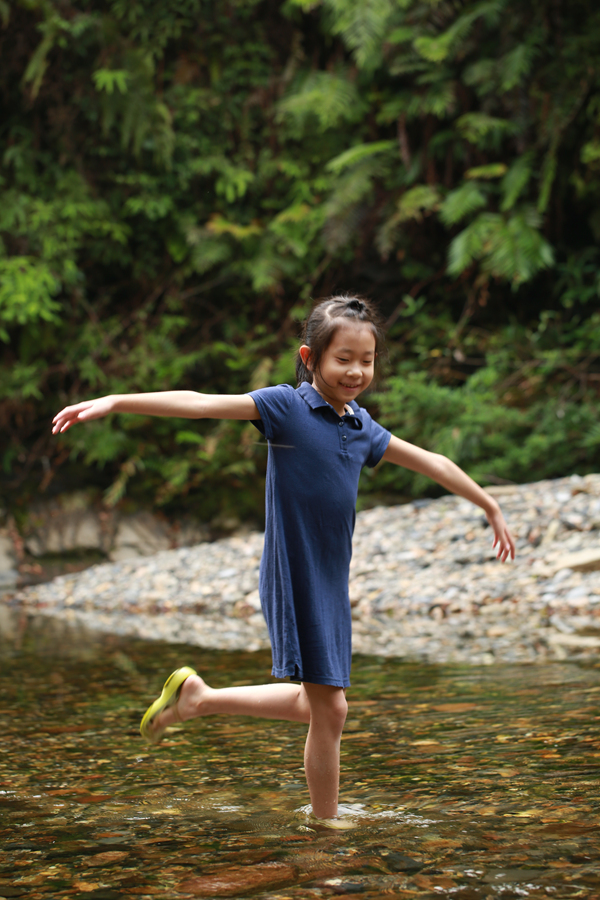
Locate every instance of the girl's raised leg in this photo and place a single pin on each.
(268, 701)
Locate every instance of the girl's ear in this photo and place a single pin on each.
(305, 356)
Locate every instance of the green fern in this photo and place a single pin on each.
(462, 202)
(478, 128)
(436, 49)
(590, 153)
(510, 248)
(356, 154)
(488, 172)
(516, 65)
(438, 100)
(329, 98)
(482, 75)
(516, 180)
(363, 26)
(342, 210)
(207, 251)
(417, 202)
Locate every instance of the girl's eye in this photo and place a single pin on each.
(342, 360)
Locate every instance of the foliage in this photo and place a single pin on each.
(179, 179)
(527, 412)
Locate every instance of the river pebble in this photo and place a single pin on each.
(424, 583)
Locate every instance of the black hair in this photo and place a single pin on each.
(323, 322)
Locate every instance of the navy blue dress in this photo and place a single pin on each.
(315, 458)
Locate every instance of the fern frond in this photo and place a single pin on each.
(481, 75)
(331, 99)
(512, 249)
(418, 201)
(350, 189)
(344, 209)
(459, 204)
(476, 127)
(363, 26)
(492, 170)
(436, 49)
(518, 251)
(208, 251)
(415, 203)
(469, 246)
(357, 154)
(439, 100)
(111, 80)
(401, 35)
(516, 65)
(516, 180)
(590, 152)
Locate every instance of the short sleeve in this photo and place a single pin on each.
(273, 404)
(380, 438)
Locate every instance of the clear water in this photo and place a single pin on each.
(461, 782)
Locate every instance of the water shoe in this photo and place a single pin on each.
(169, 697)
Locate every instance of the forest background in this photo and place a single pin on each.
(179, 179)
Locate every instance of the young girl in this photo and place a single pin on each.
(319, 439)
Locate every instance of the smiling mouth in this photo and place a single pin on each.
(350, 387)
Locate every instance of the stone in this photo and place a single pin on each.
(581, 561)
(108, 858)
(67, 524)
(9, 574)
(574, 640)
(8, 555)
(240, 880)
(138, 535)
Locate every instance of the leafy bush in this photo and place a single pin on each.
(179, 179)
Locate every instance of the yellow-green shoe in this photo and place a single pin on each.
(169, 697)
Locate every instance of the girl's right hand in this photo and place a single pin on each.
(81, 412)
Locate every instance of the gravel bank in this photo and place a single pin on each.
(424, 583)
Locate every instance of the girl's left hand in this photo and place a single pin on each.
(503, 539)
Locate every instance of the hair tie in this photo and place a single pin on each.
(356, 305)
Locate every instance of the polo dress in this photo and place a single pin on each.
(314, 462)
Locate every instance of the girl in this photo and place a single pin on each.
(319, 439)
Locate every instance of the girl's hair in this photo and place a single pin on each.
(323, 322)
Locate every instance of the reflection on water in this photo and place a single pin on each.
(460, 781)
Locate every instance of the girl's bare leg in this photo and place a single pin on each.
(268, 701)
(328, 709)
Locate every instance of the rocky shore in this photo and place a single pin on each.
(424, 583)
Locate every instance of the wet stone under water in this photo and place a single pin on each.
(462, 782)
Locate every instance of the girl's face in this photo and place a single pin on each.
(347, 365)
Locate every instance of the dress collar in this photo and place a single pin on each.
(315, 401)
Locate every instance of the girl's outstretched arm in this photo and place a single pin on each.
(450, 476)
(184, 404)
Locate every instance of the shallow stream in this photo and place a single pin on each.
(460, 782)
